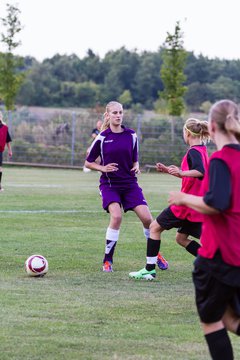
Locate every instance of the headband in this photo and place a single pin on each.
(191, 132)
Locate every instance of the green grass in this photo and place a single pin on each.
(76, 311)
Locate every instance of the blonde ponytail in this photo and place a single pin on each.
(197, 128)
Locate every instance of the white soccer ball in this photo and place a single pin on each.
(36, 265)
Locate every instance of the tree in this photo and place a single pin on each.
(10, 77)
(125, 98)
(172, 72)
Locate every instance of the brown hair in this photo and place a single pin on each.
(198, 128)
(106, 122)
(226, 115)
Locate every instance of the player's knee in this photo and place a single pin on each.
(155, 227)
(116, 219)
(146, 223)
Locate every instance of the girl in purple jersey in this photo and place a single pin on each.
(216, 274)
(117, 147)
(187, 221)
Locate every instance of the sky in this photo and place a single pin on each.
(65, 27)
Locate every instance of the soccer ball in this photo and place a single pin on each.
(36, 265)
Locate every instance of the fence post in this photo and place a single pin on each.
(73, 136)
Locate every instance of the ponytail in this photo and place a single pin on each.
(197, 128)
(226, 115)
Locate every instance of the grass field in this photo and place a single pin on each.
(76, 311)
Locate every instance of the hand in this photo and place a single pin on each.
(162, 168)
(110, 167)
(136, 169)
(174, 170)
(176, 198)
(10, 154)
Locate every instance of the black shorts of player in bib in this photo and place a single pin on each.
(167, 220)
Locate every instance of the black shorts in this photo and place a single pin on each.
(213, 296)
(1, 158)
(167, 220)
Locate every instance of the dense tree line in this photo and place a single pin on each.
(68, 81)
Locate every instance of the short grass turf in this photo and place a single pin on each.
(76, 311)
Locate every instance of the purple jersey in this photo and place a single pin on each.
(120, 148)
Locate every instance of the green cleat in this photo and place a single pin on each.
(143, 274)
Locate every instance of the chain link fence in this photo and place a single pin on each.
(60, 137)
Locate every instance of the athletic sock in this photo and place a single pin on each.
(153, 247)
(219, 345)
(146, 232)
(112, 236)
(193, 247)
(109, 250)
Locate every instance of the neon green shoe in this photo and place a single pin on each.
(143, 274)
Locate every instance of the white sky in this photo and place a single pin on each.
(210, 27)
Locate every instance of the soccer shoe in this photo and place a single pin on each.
(143, 274)
(161, 262)
(107, 266)
(1, 189)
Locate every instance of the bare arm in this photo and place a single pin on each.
(9, 149)
(192, 201)
(103, 168)
(175, 171)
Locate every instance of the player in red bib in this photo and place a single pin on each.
(4, 139)
(188, 221)
(216, 274)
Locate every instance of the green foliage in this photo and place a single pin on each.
(10, 78)
(125, 98)
(205, 106)
(172, 72)
(56, 81)
(160, 106)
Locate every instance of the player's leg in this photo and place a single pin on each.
(145, 216)
(111, 201)
(187, 229)
(218, 341)
(153, 246)
(112, 235)
(165, 221)
(231, 321)
(191, 246)
(212, 298)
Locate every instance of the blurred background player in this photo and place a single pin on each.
(94, 134)
(216, 274)
(97, 129)
(5, 138)
(188, 221)
(117, 147)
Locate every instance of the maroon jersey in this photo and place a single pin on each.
(222, 231)
(3, 137)
(191, 185)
